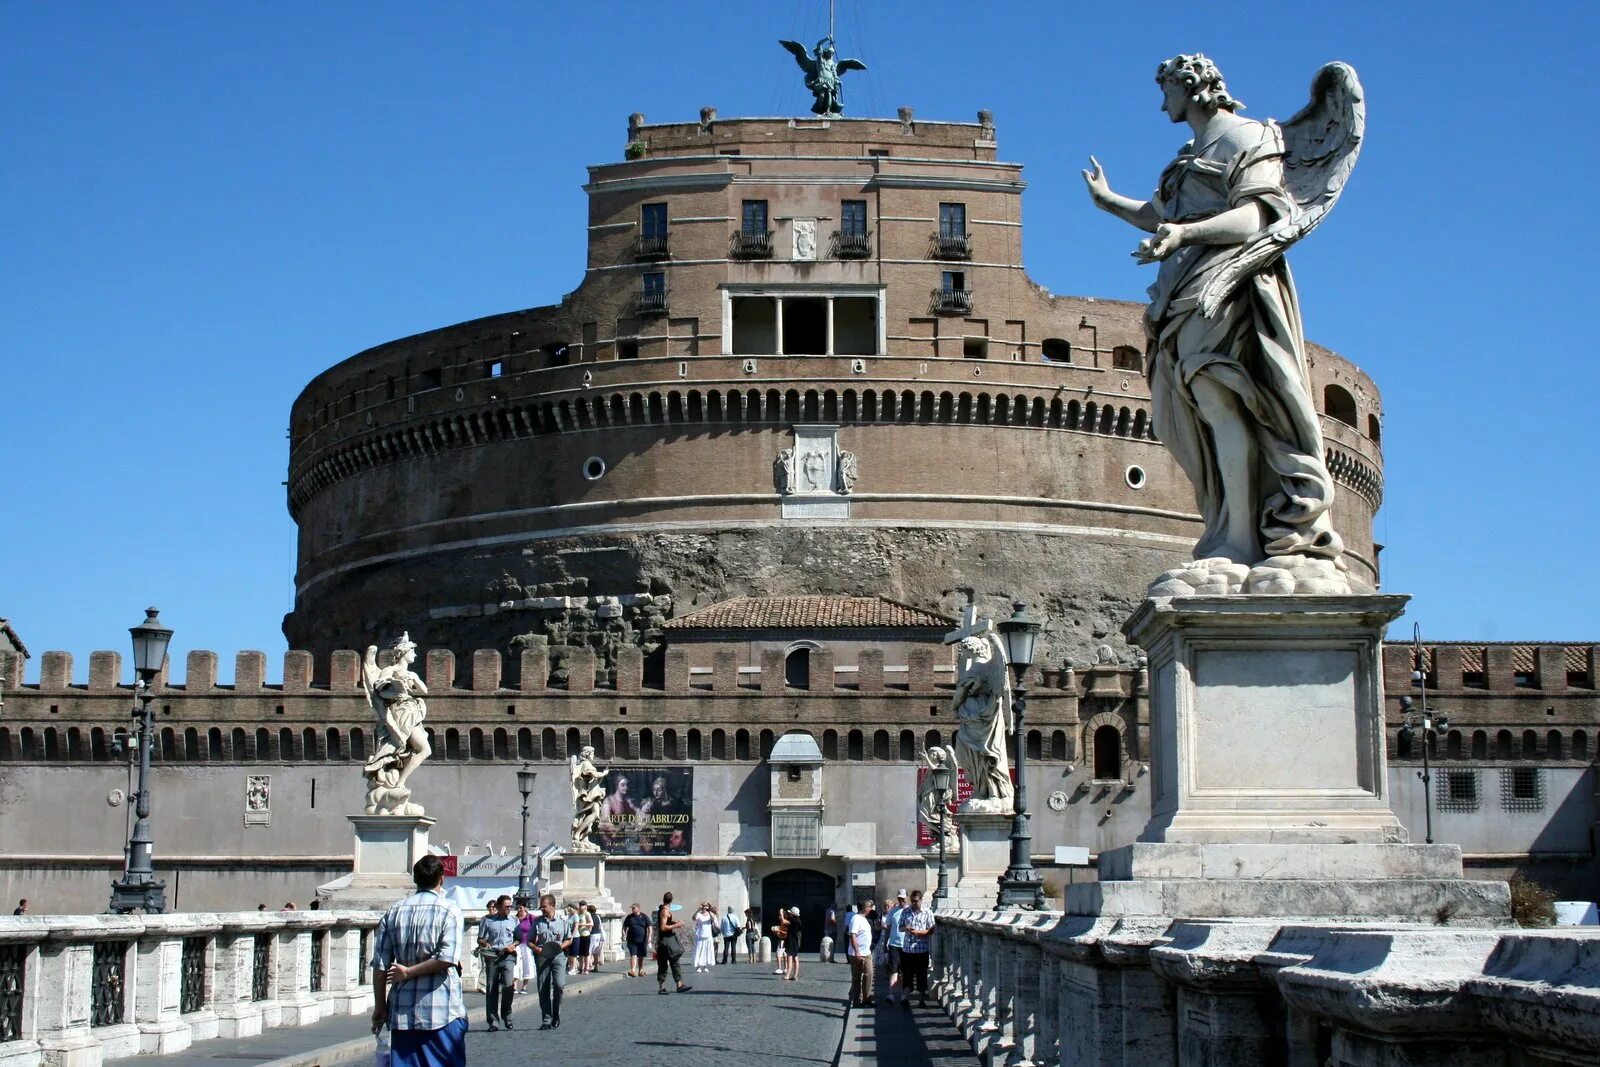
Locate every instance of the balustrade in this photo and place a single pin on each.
(86, 988)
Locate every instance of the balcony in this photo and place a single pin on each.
(751, 244)
(952, 246)
(852, 245)
(651, 302)
(951, 302)
(648, 246)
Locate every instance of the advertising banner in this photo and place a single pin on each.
(928, 836)
(648, 811)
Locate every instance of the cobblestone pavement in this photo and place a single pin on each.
(736, 1015)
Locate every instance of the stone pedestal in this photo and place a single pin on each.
(584, 878)
(1268, 773)
(386, 848)
(985, 855)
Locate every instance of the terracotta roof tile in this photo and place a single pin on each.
(809, 613)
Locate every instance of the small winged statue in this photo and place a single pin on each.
(824, 69)
(1227, 359)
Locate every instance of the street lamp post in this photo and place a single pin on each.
(138, 888)
(1421, 725)
(525, 778)
(941, 795)
(1020, 886)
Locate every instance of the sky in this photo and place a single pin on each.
(203, 205)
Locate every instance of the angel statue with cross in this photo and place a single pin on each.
(1231, 395)
(982, 707)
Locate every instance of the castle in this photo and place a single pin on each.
(714, 512)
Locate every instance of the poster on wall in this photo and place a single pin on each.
(648, 811)
(928, 836)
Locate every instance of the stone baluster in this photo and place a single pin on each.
(291, 974)
(1025, 990)
(1002, 1039)
(347, 990)
(58, 991)
(1046, 1048)
(987, 1010)
(232, 967)
(157, 981)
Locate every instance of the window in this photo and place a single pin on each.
(952, 220)
(627, 348)
(853, 218)
(878, 153)
(1107, 753)
(1337, 403)
(432, 378)
(653, 220)
(1055, 350)
(494, 369)
(975, 348)
(1522, 789)
(953, 281)
(655, 283)
(1458, 791)
(753, 220)
(797, 669)
(1126, 357)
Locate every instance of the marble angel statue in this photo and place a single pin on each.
(1231, 396)
(588, 800)
(931, 807)
(982, 706)
(395, 693)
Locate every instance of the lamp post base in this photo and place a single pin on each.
(132, 895)
(1021, 889)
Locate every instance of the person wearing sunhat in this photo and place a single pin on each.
(792, 945)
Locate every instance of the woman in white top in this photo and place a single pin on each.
(705, 939)
(597, 939)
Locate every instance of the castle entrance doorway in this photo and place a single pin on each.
(810, 891)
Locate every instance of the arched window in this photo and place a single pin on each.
(1126, 357)
(1452, 745)
(1480, 745)
(309, 749)
(452, 743)
(191, 743)
(1374, 429)
(475, 744)
(574, 741)
(597, 741)
(286, 744)
(336, 745)
(1058, 744)
(797, 668)
(524, 744)
(1580, 744)
(1056, 350)
(669, 744)
(619, 743)
(830, 744)
(719, 744)
(549, 744)
(1530, 745)
(1035, 745)
(695, 752)
(880, 744)
(1552, 745)
(240, 747)
(768, 739)
(1503, 746)
(6, 752)
(358, 744)
(214, 744)
(97, 745)
(1337, 403)
(908, 745)
(741, 744)
(263, 744)
(647, 743)
(931, 740)
(855, 746)
(502, 743)
(1107, 753)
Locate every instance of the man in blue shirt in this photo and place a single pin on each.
(730, 935)
(552, 936)
(894, 939)
(497, 943)
(916, 926)
(416, 975)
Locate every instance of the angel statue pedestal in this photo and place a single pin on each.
(985, 854)
(386, 848)
(1269, 776)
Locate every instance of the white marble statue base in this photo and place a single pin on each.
(984, 856)
(1266, 718)
(584, 878)
(386, 848)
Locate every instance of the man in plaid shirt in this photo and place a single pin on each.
(417, 952)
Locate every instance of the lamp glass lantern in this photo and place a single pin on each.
(941, 780)
(525, 778)
(150, 640)
(1020, 632)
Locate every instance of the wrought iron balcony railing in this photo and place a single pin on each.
(852, 245)
(952, 302)
(751, 244)
(952, 246)
(652, 246)
(652, 302)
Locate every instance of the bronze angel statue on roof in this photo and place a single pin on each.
(1231, 395)
(824, 71)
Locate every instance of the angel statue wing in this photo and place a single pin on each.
(801, 56)
(851, 64)
(1321, 144)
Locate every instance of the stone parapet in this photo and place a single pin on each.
(1150, 991)
(98, 987)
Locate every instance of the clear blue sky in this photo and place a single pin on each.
(205, 204)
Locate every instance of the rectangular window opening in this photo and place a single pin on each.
(853, 218)
(975, 348)
(628, 348)
(494, 369)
